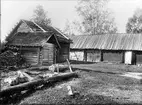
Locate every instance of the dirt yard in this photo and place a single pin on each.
(97, 84)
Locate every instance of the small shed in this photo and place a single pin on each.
(119, 48)
(40, 45)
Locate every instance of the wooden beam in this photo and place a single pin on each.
(102, 58)
(123, 57)
(69, 65)
(57, 41)
(33, 84)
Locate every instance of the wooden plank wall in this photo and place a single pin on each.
(93, 56)
(77, 55)
(47, 55)
(63, 52)
(113, 57)
(31, 55)
(139, 58)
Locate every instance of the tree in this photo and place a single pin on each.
(96, 18)
(40, 16)
(72, 28)
(134, 24)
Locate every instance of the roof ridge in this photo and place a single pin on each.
(110, 34)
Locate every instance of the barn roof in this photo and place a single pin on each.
(108, 42)
(30, 39)
(36, 36)
(32, 25)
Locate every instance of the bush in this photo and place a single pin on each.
(11, 59)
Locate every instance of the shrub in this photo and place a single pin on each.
(10, 58)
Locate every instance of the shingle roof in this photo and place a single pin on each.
(58, 33)
(29, 39)
(108, 42)
(40, 27)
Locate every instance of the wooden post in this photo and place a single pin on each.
(39, 56)
(69, 65)
(102, 56)
(123, 57)
(58, 68)
(69, 51)
(55, 54)
(85, 55)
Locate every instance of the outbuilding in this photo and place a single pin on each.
(118, 48)
(39, 44)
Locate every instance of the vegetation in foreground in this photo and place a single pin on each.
(99, 84)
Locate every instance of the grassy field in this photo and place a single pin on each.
(100, 83)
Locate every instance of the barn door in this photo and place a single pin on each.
(48, 54)
(112, 56)
(128, 57)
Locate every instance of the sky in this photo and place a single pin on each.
(59, 11)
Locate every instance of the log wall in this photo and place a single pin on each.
(31, 55)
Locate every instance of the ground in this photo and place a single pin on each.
(99, 83)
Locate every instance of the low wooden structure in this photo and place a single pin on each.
(119, 48)
(41, 45)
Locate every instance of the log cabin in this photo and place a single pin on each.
(117, 48)
(39, 44)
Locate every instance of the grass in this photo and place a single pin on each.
(97, 84)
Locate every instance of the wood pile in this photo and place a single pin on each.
(33, 83)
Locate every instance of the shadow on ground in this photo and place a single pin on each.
(97, 71)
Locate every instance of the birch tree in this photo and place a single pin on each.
(134, 24)
(96, 18)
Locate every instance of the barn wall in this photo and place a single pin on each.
(139, 58)
(47, 55)
(93, 56)
(77, 55)
(31, 55)
(112, 56)
(63, 52)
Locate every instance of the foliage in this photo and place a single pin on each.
(40, 16)
(10, 58)
(2, 46)
(96, 18)
(71, 28)
(134, 24)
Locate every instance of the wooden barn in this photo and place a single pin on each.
(118, 48)
(41, 45)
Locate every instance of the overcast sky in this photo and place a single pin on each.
(60, 10)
